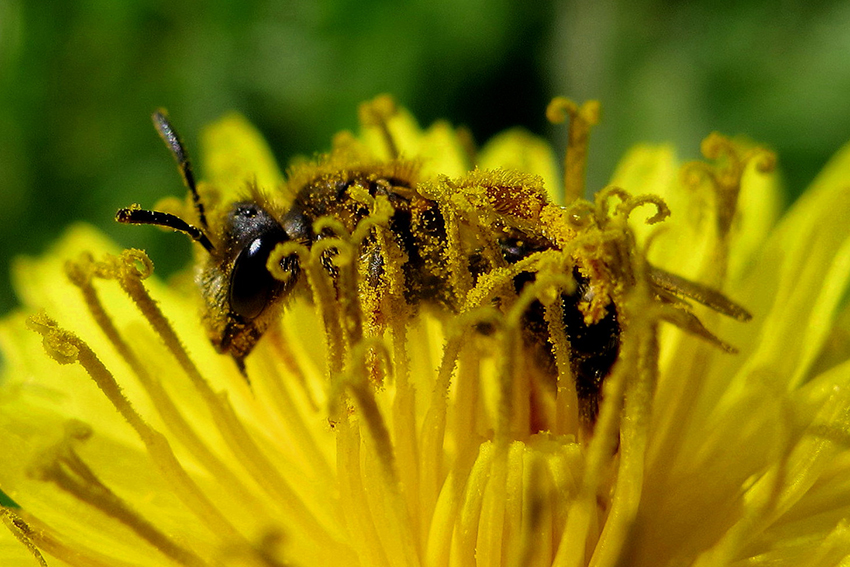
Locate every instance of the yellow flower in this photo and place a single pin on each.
(426, 439)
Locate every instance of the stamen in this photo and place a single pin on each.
(690, 323)
(662, 211)
(22, 532)
(377, 113)
(366, 536)
(323, 295)
(497, 280)
(566, 397)
(514, 401)
(641, 356)
(62, 466)
(358, 384)
(63, 548)
(709, 297)
(404, 401)
(80, 273)
(602, 202)
(433, 430)
(397, 529)
(156, 444)
(724, 176)
(460, 277)
(341, 253)
(582, 119)
(129, 270)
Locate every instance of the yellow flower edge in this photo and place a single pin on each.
(145, 447)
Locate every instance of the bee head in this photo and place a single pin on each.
(241, 296)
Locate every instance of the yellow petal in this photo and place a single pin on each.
(682, 243)
(759, 206)
(802, 276)
(235, 154)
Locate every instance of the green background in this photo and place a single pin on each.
(79, 80)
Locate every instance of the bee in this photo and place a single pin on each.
(242, 298)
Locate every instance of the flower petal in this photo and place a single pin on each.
(235, 154)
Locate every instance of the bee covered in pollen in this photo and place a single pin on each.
(451, 245)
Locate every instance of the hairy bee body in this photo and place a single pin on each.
(243, 299)
(448, 237)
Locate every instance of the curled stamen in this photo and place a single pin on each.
(339, 252)
(382, 210)
(764, 160)
(58, 343)
(662, 211)
(602, 202)
(582, 119)
(724, 178)
(491, 283)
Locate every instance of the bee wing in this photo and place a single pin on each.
(683, 288)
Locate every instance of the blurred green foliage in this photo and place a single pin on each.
(79, 80)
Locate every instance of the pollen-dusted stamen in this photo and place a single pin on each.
(129, 270)
(323, 295)
(337, 254)
(80, 273)
(358, 384)
(22, 532)
(515, 391)
(638, 357)
(662, 211)
(492, 283)
(395, 524)
(67, 348)
(731, 159)
(582, 119)
(397, 316)
(566, 419)
(460, 330)
(377, 112)
(62, 466)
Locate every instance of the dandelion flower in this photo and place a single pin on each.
(375, 436)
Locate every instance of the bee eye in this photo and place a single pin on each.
(252, 287)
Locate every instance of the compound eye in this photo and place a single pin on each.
(252, 287)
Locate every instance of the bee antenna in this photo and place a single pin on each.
(135, 215)
(172, 140)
